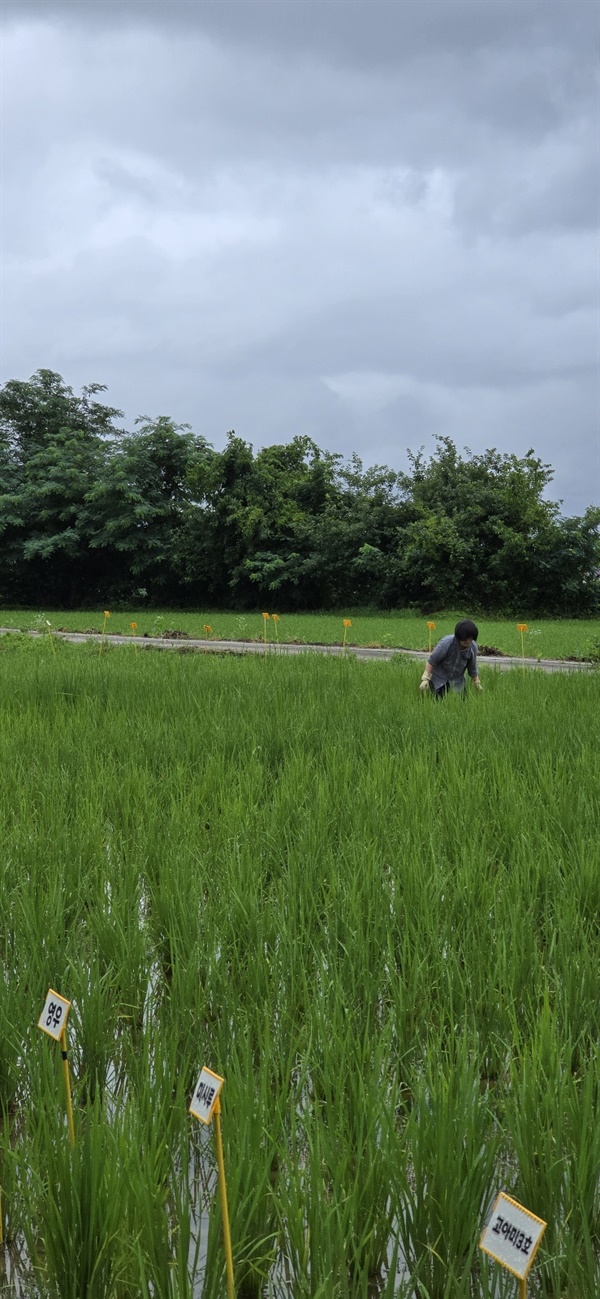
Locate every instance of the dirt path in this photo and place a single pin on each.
(257, 647)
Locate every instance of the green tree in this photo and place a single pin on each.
(292, 521)
(250, 533)
(483, 533)
(139, 508)
(52, 446)
(90, 512)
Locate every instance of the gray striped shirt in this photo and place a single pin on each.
(450, 662)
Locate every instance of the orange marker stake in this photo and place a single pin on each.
(522, 627)
(106, 617)
(223, 1195)
(53, 1021)
(205, 1106)
(65, 1064)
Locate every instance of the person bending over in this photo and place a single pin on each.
(452, 657)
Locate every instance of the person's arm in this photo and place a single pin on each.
(436, 656)
(426, 678)
(472, 668)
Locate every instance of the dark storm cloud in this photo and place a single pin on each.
(370, 222)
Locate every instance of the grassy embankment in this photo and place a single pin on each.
(546, 638)
(375, 915)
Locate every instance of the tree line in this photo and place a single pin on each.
(92, 514)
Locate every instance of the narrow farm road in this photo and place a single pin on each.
(258, 647)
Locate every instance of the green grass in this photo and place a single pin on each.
(376, 915)
(546, 638)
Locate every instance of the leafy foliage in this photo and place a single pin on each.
(90, 512)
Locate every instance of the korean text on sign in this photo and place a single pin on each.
(206, 1095)
(512, 1236)
(54, 1015)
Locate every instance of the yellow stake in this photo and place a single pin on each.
(523, 1289)
(106, 617)
(430, 628)
(223, 1194)
(522, 627)
(65, 1060)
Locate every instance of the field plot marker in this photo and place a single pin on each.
(512, 1237)
(53, 1021)
(106, 618)
(204, 1106)
(430, 628)
(522, 627)
(49, 626)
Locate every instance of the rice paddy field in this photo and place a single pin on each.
(377, 916)
(545, 638)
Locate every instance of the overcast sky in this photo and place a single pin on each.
(369, 222)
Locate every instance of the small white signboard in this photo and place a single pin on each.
(54, 1015)
(206, 1095)
(512, 1236)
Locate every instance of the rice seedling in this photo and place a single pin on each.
(446, 1181)
(77, 1198)
(553, 1118)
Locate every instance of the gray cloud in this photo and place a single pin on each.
(369, 222)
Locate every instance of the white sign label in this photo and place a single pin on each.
(206, 1095)
(54, 1015)
(512, 1236)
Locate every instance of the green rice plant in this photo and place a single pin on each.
(314, 1259)
(446, 1182)
(165, 1231)
(117, 944)
(92, 1027)
(14, 1013)
(351, 1090)
(365, 913)
(77, 1200)
(553, 1117)
(256, 1110)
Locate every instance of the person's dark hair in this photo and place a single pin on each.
(466, 629)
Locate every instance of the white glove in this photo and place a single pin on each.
(477, 683)
(425, 679)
